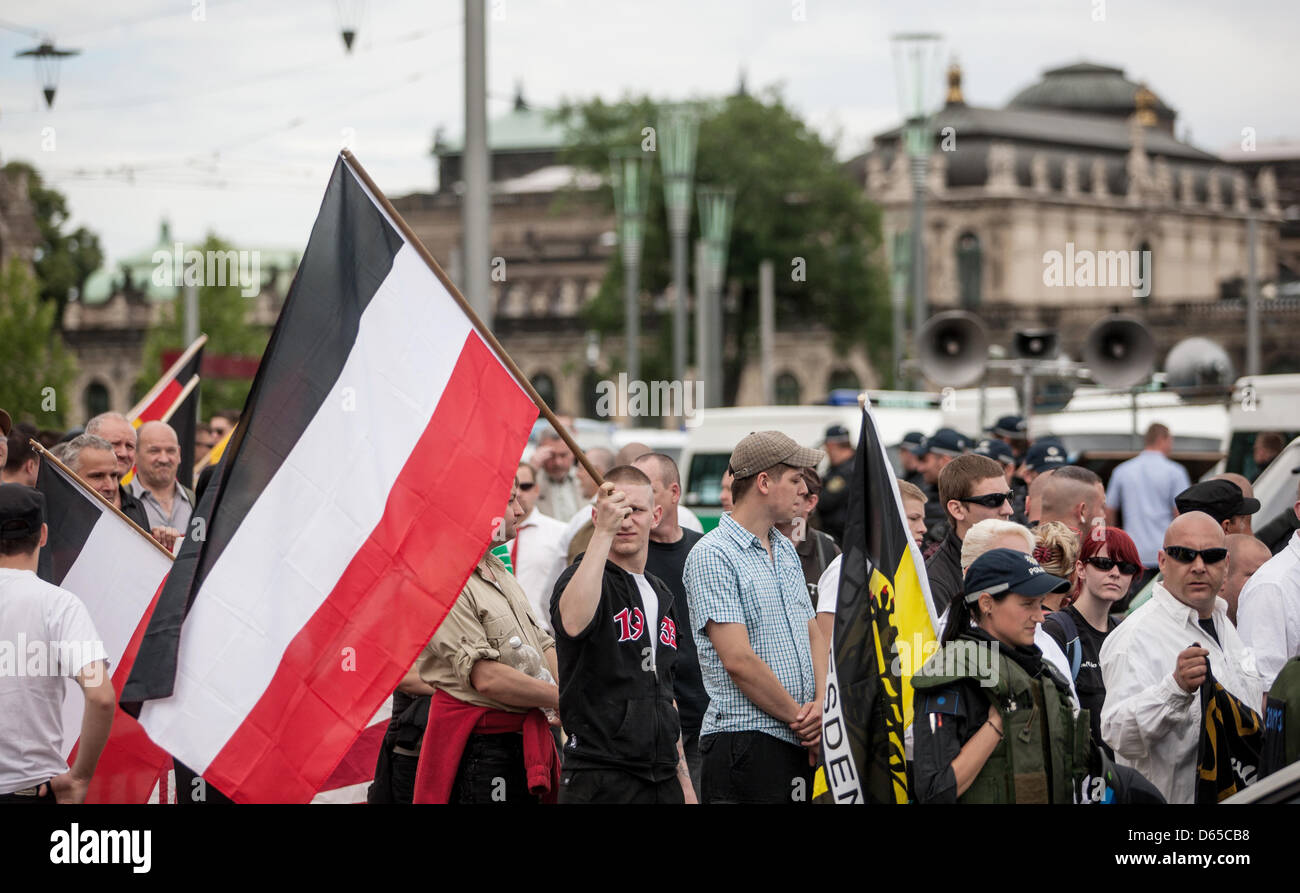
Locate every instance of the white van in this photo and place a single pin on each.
(1260, 403)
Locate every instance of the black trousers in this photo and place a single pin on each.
(492, 771)
(30, 799)
(753, 767)
(616, 786)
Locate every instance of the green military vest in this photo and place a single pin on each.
(1042, 738)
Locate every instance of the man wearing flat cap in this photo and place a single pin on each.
(762, 655)
(55, 629)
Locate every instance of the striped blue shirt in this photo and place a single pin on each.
(730, 579)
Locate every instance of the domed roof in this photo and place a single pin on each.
(1086, 87)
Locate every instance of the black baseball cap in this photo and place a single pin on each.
(1006, 570)
(1220, 499)
(912, 438)
(1044, 455)
(996, 449)
(945, 442)
(1012, 426)
(837, 434)
(22, 511)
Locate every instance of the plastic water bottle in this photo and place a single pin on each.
(526, 660)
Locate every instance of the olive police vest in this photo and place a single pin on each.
(1043, 755)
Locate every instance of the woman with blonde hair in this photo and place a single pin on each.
(1056, 549)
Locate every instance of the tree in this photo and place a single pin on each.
(796, 205)
(36, 372)
(223, 312)
(63, 261)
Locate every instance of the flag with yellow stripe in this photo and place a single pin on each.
(884, 628)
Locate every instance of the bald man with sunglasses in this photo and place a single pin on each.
(1154, 663)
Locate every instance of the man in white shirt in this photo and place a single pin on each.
(50, 638)
(1268, 610)
(1154, 663)
(536, 552)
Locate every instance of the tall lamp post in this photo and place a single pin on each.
(630, 176)
(917, 67)
(48, 58)
(716, 206)
(678, 130)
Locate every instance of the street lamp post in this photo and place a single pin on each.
(630, 176)
(48, 58)
(716, 206)
(917, 64)
(678, 131)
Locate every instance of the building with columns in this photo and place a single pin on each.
(1084, 166)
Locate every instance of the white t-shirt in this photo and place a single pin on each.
(46, 638)
(650, 605)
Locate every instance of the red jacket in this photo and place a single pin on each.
(452, 721)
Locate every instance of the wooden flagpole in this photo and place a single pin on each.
(167, 376)
(465, 307)
(50, 457)
(189, 386)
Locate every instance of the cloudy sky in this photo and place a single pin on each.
(226, 115)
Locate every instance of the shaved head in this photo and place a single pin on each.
(628, 454)
(1238, 479)
(1246, 554)
(1194, 525)
(1073, 499)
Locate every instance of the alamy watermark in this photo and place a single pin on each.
(176, 266)
(644, 399)
(966, 659)
(33, 658)
(1101, 269)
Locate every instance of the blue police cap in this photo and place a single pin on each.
(1006, 570)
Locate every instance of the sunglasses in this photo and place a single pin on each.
(991, 501)
(527, 486)
(1184, 555)
(1102, 563)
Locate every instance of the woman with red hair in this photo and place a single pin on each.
(1107, 565)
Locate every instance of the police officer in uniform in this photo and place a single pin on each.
(832, 509)
(1014, 432)
(911, 464)
(995, 722)
(933, 453)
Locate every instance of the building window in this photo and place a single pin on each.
(1144, 275)
(843, 379)
(545, 386)
(969, 270)
(96, 399)
(787, 390)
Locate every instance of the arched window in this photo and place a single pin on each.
(545, 386)
(969, 270)
(1143, 281)
(787, 390)
(843, 379)
(95, 399)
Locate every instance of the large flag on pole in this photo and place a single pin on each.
(372, 459)
(117, 571)
(884, 631)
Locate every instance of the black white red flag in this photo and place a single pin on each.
(371, 464)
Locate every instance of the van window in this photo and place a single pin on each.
(704, 481)
(1241, 452)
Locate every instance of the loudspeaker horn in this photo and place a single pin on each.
(953, 348)
(1198, 362)
(1120, 352)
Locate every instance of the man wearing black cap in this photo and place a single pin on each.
(833, 506)
(933, 453)
(1014, 432)
(1223, 501)
(43, 623)
(911, 464)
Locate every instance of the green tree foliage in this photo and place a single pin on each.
(63, 260)
(223, 318)
(36, 372)
(794, 200)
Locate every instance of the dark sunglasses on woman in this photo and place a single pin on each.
(1184, 555)
(1102, 563)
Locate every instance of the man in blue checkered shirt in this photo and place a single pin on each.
(762, 656)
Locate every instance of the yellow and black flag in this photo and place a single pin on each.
(884, 631)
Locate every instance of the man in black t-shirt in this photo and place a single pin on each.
(1108, 562)
(670, 543)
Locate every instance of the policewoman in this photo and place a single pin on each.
(994, 722)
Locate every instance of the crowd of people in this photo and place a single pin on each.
(606, 649)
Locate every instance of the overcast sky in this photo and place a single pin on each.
(231, 123)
